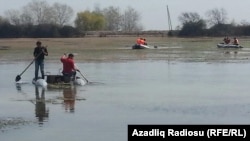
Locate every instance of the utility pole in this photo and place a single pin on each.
(169, 20)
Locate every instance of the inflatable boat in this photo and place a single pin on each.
(140, 46)
(58, 81)
(222, 45)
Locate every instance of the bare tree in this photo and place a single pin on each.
(192, 24)
(188, 17)
(112, 18)
(97, 9)
(244, 23)
(16, 17)
(130, 20)
(217, 16)
(2, 20)
(62, 13)
(40, 11)
(26, 18)
(13, 16)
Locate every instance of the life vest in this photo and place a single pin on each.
(138, 41)
(142, 42)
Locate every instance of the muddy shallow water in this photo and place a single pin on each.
(187, 81)
(122, 93)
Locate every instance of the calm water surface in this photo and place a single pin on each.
(122, 93)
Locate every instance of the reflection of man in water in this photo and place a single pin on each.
(69, 95)
(41, 112)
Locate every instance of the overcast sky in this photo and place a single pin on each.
(153, 13)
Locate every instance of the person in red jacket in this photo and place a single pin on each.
(141, 41)
(69, 69)
(138, 41)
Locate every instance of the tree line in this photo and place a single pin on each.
(216, 24)
(40, 19)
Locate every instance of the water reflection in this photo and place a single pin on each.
(42, 114)
(69, 97)
(18, 87)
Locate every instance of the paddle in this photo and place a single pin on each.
(83, 76)
(18, 77)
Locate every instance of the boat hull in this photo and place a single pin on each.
(40, 82)
(136, 46)
(58, 81)
(221, 45)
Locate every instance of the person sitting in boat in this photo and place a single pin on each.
(236, 41)
(145, 43)
(69, 69)
(138, 41)
(226, 40)
(141, 41)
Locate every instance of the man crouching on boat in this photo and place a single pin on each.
(69, 69)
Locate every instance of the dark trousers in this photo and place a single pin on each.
(39, 64)
(69, 76)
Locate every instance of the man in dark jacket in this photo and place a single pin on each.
(39, 53)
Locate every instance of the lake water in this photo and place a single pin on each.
(122, 93)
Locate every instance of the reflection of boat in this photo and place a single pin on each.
(42, 113)
(140, 46)
(58, 81)
(39, 82)
(69, 97)
(222, 45)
